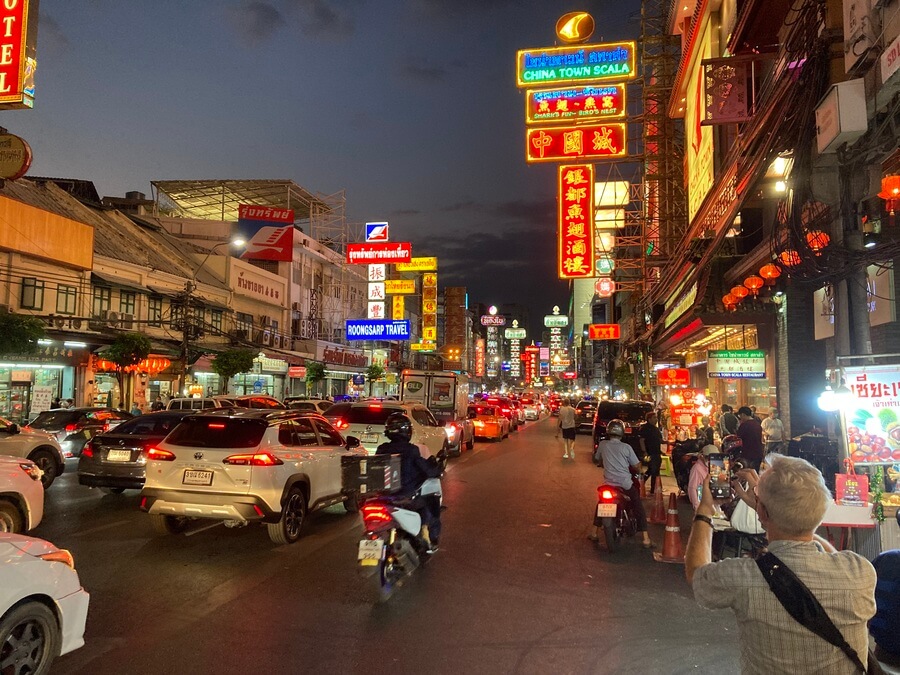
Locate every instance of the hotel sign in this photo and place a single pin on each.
(18, 38)
(592, 102)
(736, 363)
(581, 64)
(568, 143)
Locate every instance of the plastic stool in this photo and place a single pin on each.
(665, 468)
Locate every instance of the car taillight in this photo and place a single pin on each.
(160, 455)
(62, 555)
(253, 459)
(72, 427)
(506, 410)
(340, 425)
(33, 471)
(607, 494)
(88, 450)
(106, 427)
(375, 515)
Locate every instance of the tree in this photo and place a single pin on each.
(374, 372)
(625, 380)
(127, 350)
(315, 373)
(19, 334)
(231, 362)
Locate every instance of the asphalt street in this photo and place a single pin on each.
(516, 587)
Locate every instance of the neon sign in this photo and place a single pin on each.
(18, 37)
(574, 65)
(360, 254)
(593, 102)
(377, 329)
(575, 234)
(593, 141)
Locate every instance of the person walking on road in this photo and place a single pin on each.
(566, 424)
(651, 447)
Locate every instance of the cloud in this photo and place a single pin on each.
(254, 21)
(448, 8)
(323, 18)
(414, 70)
(406, 212)
(53, 41)
(534, 212)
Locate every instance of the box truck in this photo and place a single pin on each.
(446, 395)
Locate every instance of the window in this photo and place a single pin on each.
(102, 297)
(215, 319)
(286, 433)
(244, 321)
(32, 293)
(304, 433)
(328, 434)
(66, 299)
(421, 416)
(127, 302)
(175, 314)
(154, 311)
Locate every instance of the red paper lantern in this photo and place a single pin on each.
(729, 301)
(817, 240)
(754, 283)
(789, 258)
(739, 292)
(770, 273)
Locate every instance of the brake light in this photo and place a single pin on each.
(62, 555)
(375, 406)
(506, 410)
(72, 427)
(160, 455)
(215, 426)
(253, 459)
(88, 450)
(340, 425)
(606, 494)
(105, 427)
(375, 514)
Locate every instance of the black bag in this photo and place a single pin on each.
(801, 604)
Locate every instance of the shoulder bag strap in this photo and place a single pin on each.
(801, 604)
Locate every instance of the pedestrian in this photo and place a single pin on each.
(70, 403)
(651, 447)
(566, 424)
(791, 500)
(56, 403)
(755, 415)
(705, 433)
(157, 405)
(699, 474)
(728, 422)
(136, 409)
(750, 433)
(773, 430)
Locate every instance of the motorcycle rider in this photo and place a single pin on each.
(620, 465)
(414, 470)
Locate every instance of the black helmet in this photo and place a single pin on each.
(398, 427)
(615, 428)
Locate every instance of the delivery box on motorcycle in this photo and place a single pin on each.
(368, 476)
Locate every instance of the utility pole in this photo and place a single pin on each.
(185, 333)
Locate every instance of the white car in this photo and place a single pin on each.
(38, 446)
(21, 495)
(532, 408)
(243, 465)
(314, 405)
(365, 420)
(43, 608)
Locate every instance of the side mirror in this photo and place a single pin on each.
(352, 442)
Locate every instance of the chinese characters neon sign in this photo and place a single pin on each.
(575, 236)
(567, 143)
(586, 63)
(577, 104)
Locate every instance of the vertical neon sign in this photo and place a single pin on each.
(575, 235)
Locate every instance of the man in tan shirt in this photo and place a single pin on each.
(566, 424)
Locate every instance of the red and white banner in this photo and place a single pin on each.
(390, 253)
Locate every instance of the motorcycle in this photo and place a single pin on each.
(615, 514)
(394, 545)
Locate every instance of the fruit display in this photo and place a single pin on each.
(874, 438)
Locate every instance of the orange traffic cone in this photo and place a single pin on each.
(658, 514)
(673, 551)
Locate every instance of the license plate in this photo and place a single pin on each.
(197, 477)
(370, 551)
(370, 438)
(606, 510)
(119, 456)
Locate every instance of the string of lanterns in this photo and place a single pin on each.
(152, 365)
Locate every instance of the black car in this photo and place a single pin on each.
(632, 413)
(116, 460)
(584, 416)
(74, 427)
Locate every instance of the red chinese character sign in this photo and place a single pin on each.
(604, 331)
(604, 287)
(567, 143)
(575, 234)
(578, 104)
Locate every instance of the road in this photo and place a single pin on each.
(516, 587)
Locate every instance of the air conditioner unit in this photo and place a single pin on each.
(297, 306)
(110, 318)
(240, 334)
(126, 321)
(266, 338)
(276, 340)
(265, 320)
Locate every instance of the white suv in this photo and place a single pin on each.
(38, 446)
(242, 466)
(365, 420)
(21, 495)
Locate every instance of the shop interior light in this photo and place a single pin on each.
(45, 342)
(870, 240)
(828, 401)
(780, 186)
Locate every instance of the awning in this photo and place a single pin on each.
(118, 282)
(210, 303)
(165, 292)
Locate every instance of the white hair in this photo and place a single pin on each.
(794, 494)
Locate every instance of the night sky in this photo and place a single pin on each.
(409, 106)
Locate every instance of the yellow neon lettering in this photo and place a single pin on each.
(4, 88)
(8, 23)
(5, 55)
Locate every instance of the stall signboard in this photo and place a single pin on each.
(17, 49)
(398, 308)
(297, 372)
(673, 377)
(418, 265)
(576, 104)
(493, 320)
(871, 417)
(400, 286)
(555, 321)
(851, 489)
(569, 142)
(575, 238)
(268, 231)
(376, 329)
(604, 331)
(575, 64)
(384, 252)
(736, 363)
(514, 333)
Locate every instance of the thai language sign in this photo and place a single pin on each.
(390, 253)
(567, 143)
(743, 363)
(577, 104)
(268, 231)
(377, 329)
(872, 415)
(575, 237)
(575, 64)
(399, 286)
(418, 265)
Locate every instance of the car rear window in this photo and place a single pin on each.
(586, 405)
(156, 424)
(627, 412)
(217, 432)
(305, 406)
(364, 414)
(54, 419)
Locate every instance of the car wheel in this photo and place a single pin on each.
(163, 524)
(352, 502)
(293, 517)
(10, 520)
(47, 463)
(112, 490)
(29, 639)
(470, 443)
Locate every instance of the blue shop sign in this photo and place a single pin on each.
(377, 329)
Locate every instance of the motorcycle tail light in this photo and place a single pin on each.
(375, 515)
(607, 494)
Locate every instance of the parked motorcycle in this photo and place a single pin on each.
(393, 546)
(615, 515)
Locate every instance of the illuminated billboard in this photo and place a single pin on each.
(576, 104)
(268, 231)
(19, 19)
(612, 193)
(390, 253)
(418, 265)
(575, 238)
(377, 329)
(567, 143)
(575, 65)
(399, 286)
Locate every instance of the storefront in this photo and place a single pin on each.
(30, 383)
(342, 364)
(268, 377)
